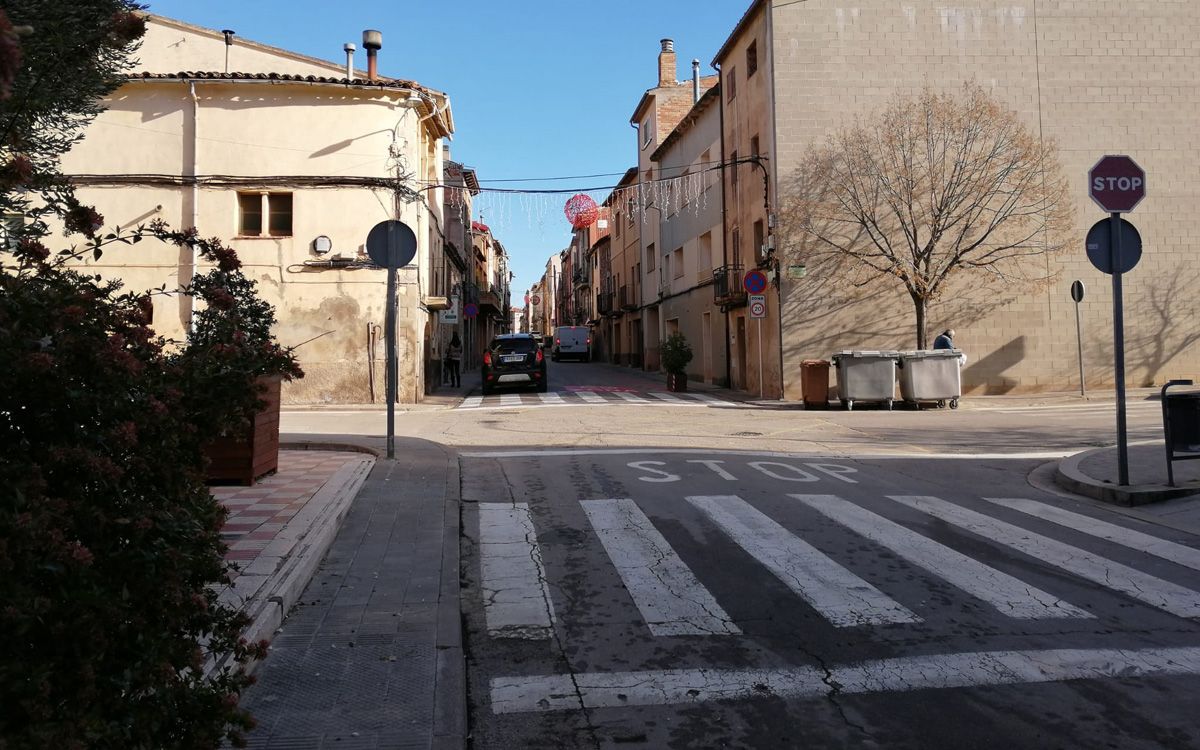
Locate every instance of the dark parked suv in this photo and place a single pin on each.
(514, 359)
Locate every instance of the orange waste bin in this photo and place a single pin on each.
(814, 380)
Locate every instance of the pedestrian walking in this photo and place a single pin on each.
(453, 357)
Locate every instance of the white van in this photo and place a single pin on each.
(572, 342)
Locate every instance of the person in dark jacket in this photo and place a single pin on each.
(945, 341)
(453, 356)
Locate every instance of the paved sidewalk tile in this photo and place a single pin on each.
(258, 513)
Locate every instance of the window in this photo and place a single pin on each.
(733, 168)
(250, 214)
(678, 263)
(754, 146)
(759, 239)
(650, 258)
(276, 206)
(645, 132)
(617, 224)
(706, 250)
(731, 84)
(752, 58)
(11, 225)
(629, 212)
(735, 241)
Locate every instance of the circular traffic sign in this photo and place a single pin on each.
(1117, 184)
(755, 282)
(470, 310)
(391, 244)
(536, 299)
(758, 310)
(1077, 290)
(1099, 246)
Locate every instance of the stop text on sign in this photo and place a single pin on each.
(1122, 184)
(655, 471)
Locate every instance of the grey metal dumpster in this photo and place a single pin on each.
(866, 376)
(1181, 426)
(931, 375)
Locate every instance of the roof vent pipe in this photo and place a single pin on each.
(349, 48)
(228, 43)
(372, 43)
(695, 81)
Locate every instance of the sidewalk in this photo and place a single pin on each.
(370, 655)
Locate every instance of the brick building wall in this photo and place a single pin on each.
(1099, 76)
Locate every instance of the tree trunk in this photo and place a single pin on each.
(919, 304)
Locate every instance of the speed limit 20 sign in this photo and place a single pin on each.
(758, 306)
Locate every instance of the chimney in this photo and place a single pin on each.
(666, 64)
(372, 43)
(695, 81)
(349, 48)
(229, 34)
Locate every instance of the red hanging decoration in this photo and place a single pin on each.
(581, 210)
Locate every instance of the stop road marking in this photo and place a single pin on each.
(778, 470)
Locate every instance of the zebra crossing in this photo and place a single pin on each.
(592, 398)
(673, 600)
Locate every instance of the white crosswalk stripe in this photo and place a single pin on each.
(1009, 595)
(837, 594)
(1189, 557)
(1154, 591)
(593, 398)
(672, 601)
(516, 600)
(625, 396)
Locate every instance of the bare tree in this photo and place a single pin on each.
(934, 185)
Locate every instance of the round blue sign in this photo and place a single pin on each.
(470, 310)
(755, 282)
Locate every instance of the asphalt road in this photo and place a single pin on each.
(644, 569)
(699, 599)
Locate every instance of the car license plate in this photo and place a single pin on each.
(513, 358)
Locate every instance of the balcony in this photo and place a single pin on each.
(490, 298)
(604, 303)
(581, 277)
(664, 288)
(727, 285)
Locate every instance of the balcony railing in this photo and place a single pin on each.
(727, 285)
(664, 287)
(604, 303)
(581, 277)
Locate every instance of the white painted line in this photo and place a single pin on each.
(895, 675)
(672, 601)
(1007, 594)
(908, 456)
(516, 599)
(837, 594)
(1156, 592)
(1104, 408)
(1181, 554)
(705, 397)
(672, 399)
(630, 397)
(470, 402)
(591, 398)
(551, 398)
(510, 399)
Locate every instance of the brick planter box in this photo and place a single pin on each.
(244, 458)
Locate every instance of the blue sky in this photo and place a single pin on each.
(539, 88)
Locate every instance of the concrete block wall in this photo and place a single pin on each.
(1097, 76)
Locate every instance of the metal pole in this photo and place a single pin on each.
(1119, 352)
(390, 333)
(1079, 344)
(761, 374)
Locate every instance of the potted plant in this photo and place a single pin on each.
(236, 367)
(676, 354)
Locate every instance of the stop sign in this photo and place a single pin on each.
(1117, 184)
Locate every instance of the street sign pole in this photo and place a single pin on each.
(1078, 297)
(389, 330)
(1119, 353)
(761, 375)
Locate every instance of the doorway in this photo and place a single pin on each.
(739, 372)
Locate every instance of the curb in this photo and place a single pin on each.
(450, 691)
(1070, 477)
(293, 556)
(313, 445)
